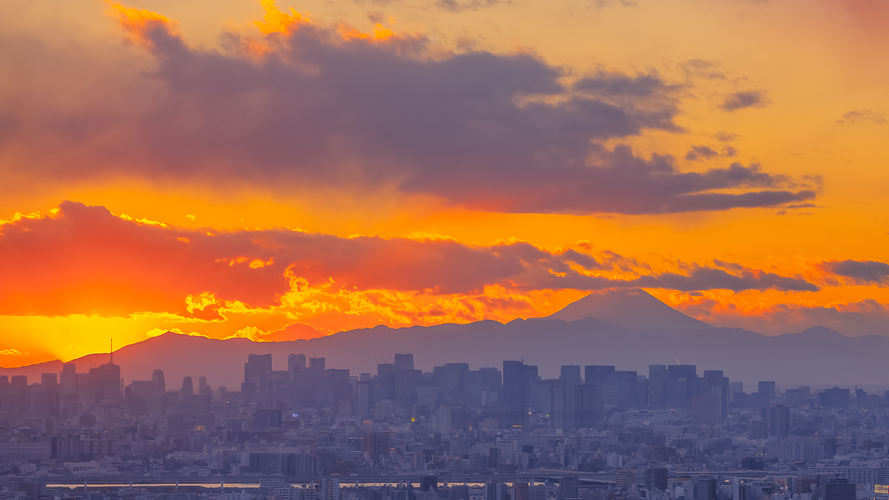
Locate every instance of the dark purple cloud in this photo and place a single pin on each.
(741, 100)
(706, 278)
(696, 153)
(866, 272)
(863, 116)
(621, 183)
(486, 131)
(725, 137)
(604, 84)
(701, 152)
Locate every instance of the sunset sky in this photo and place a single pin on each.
(285, 170)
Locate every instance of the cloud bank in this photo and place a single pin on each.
(298, 105)
(84, 260)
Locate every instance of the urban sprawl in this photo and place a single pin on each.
(317, 433)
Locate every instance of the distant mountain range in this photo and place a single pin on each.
(629, 329)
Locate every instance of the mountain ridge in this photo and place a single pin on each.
(807, 358)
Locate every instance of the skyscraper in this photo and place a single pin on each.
(571, 372)
(404, 362)
(767, 390)
(779, 421)
(517, 379)
(158, 378)
(296, 363)
(68, 379)
(187, 387)
(257, 369)
(588, 405)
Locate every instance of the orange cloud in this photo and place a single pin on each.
(141, 24)
(85, 260)
(379, 33)
(277, 21)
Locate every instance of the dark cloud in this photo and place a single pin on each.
(701, 152)
(459, 6)
(863, 116)
(604, 84)
(741, 100)
(706, 153)
(700, 68)
(485, 131)
(725, 137)
(704, 278)
(867, 272)
(621, 183)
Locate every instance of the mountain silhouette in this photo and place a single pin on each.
(816, 357)
(631, 308)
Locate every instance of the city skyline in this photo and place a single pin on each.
(317, 431)
(286, 170)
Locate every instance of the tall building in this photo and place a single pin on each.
(658, 478)
(840, 489)
(621, 389)
(452, 378)
(834, 398)
(767, 390)
(296, 361)
(779, 421)
(157, 377)
(556, 399)
(624, 479)
(571, 372)
(739, 489)
(706, 488)
(657, 386)
(49, 380)
(404, 362)
(317, 366)
(521, 491)
(330, 489)
(594, 374)
(375, 444)
(537, 492)
(204, 389)
(257, 370)
(496, 491)
(517, 380)
(568, 488)
(682, 384)
(106, 380)
(715, 383)
(187, 387)
(588, 405)
(68, 379)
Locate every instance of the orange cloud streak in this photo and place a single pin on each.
(379, 33)
(277, 21)
(140, 23)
